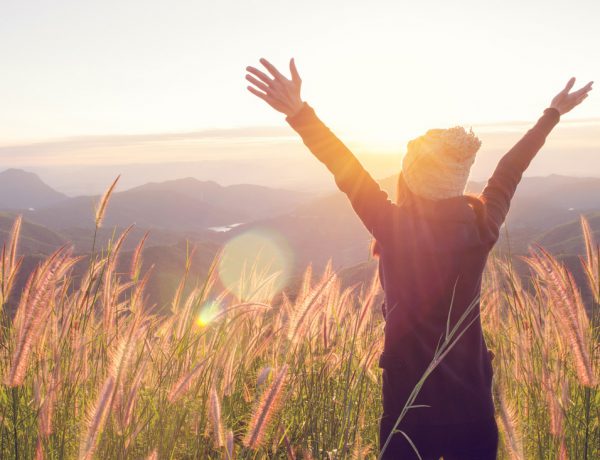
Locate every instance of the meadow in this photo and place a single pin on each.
(90, 371)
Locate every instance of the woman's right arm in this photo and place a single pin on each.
(501, 187)
(370, 203)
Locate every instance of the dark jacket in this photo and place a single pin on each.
(432, 256)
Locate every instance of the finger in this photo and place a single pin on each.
(261, 75)
(265, 97)
(581, 91)
(580, 99)
(576, 103)
(570, 84)
(272, 70)
(256, 92)
(260, 85)
(294, 71)
(588, 87)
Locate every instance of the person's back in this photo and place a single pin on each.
(433, 246)
(432, 274)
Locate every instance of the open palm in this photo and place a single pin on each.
(279, 92)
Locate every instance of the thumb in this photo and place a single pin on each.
(294, 71)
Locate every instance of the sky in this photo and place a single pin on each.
(379, 72)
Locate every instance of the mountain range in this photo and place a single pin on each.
(177, 205)
(317, 228)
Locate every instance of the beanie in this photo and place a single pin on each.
(437, 165)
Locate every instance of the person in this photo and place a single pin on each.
(432, 244)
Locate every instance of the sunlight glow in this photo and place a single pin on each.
(208, 313)
(256, 265)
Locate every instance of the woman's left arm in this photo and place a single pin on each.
(370, 203)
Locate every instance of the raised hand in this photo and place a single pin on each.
(276, 90)
(565, 101)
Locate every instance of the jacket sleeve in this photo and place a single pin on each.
(370, 203)
(501, 187)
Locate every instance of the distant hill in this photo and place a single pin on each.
(145, 208)
(317, 231)
(83, 238)
(168, 266)
(23, 190)
(544, 211)
(180, 205)
(327, 227)
(540, 203)
(567, 239)
(35, 239)
(543, 203)
(40, 240)
(247, 200)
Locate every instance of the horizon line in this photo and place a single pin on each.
(256, 132)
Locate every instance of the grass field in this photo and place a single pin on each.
(89, 372)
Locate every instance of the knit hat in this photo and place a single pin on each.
(437, 165)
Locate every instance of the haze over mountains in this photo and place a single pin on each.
(22, 190)
(179, 205)
(273, 156)
(317, 227)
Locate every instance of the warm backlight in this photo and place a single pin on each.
(256, 265)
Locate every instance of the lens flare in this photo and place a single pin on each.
(208, 313)
(256, 265)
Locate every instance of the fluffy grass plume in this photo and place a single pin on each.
(91, 371)
(266, 409)
(103, 203)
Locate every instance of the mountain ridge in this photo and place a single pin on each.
(186, 204)
(25, 190)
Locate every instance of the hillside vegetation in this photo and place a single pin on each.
(89, 372)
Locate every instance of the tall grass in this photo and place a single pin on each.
(89, 372)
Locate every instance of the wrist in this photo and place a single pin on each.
(552, 109)
(295, 110)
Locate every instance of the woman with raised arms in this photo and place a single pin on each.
(432, 244)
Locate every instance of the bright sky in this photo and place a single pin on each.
(379, 71)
